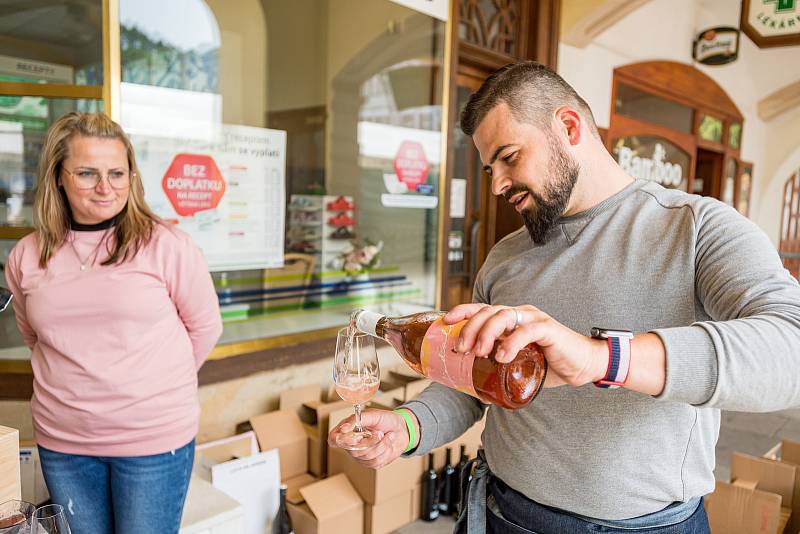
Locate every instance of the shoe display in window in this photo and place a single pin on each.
(343, 232)
(303, 204)
(341, 204)
(305, 217)
(342, 219)
(303, 233)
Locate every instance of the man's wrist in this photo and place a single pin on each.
(413, 431)
(600, 359)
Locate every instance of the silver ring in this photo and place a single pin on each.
(517, 318)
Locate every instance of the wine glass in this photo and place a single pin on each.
(50, 519)
(16, 517)
(356, 375)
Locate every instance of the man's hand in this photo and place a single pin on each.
(572, 358)
(388, 449)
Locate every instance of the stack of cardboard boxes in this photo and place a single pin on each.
(9, 464)
(763, 496)
(329, 492)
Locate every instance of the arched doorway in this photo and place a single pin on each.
(673, 124)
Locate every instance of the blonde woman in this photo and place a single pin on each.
(119, 312)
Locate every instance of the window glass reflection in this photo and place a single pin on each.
(52, 41)
(319, 146)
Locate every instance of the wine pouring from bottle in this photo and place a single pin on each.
(427, 344)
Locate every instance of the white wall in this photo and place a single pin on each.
(664, 30)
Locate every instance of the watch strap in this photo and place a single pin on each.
(619, 361)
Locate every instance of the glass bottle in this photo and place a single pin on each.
(447, 482)
(282, 524)
(427, 345)
(429, 509)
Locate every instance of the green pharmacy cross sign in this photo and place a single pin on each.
(771, 23)
(782, 6)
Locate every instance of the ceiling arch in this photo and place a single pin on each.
(583, 20)
(779, 102)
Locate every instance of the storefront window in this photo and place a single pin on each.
(734, 134)
(745, 181)
(52, 41)
(648, 107)
(302, 156)
(729, 182)
(24, 120)
(710, 128)
(653, 158)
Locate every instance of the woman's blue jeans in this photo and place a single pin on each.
(120, 495)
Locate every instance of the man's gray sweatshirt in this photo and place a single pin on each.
(648, 259)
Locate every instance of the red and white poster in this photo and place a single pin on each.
(225, 188)
(193, 183)
(410, 164)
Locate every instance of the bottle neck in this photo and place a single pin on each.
(367, 322)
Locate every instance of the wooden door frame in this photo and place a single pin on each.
(541, 23)
(688, 86)
(789, 246)
(626, 127)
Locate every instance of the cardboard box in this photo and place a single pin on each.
(222, 450)
(329, 506)
(789, 453)
(758, 500)
(317, 451)
(413, 383)
(10, 484)
(738, 509)
(208, 510)
(768, 475)
(293, 486)
(416, 502)
(314, 408)
(389, 515)
(313, 405)
(316, 416)
(376, 486)
(390, 393)
(291, 400)
(282, 430)
(253, 481)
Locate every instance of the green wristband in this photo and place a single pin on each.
(412, 432)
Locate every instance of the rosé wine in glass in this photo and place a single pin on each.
(357, 390)
(356, 375)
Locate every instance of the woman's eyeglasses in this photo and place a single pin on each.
(89, 178)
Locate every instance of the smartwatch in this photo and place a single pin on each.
(619, 356)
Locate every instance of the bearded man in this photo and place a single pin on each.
(654, 309)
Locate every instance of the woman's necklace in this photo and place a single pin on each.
(93, 254)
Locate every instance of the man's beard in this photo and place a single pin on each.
(543, 215)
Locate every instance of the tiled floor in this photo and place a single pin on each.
(745, 432)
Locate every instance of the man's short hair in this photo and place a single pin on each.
(532, 91)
